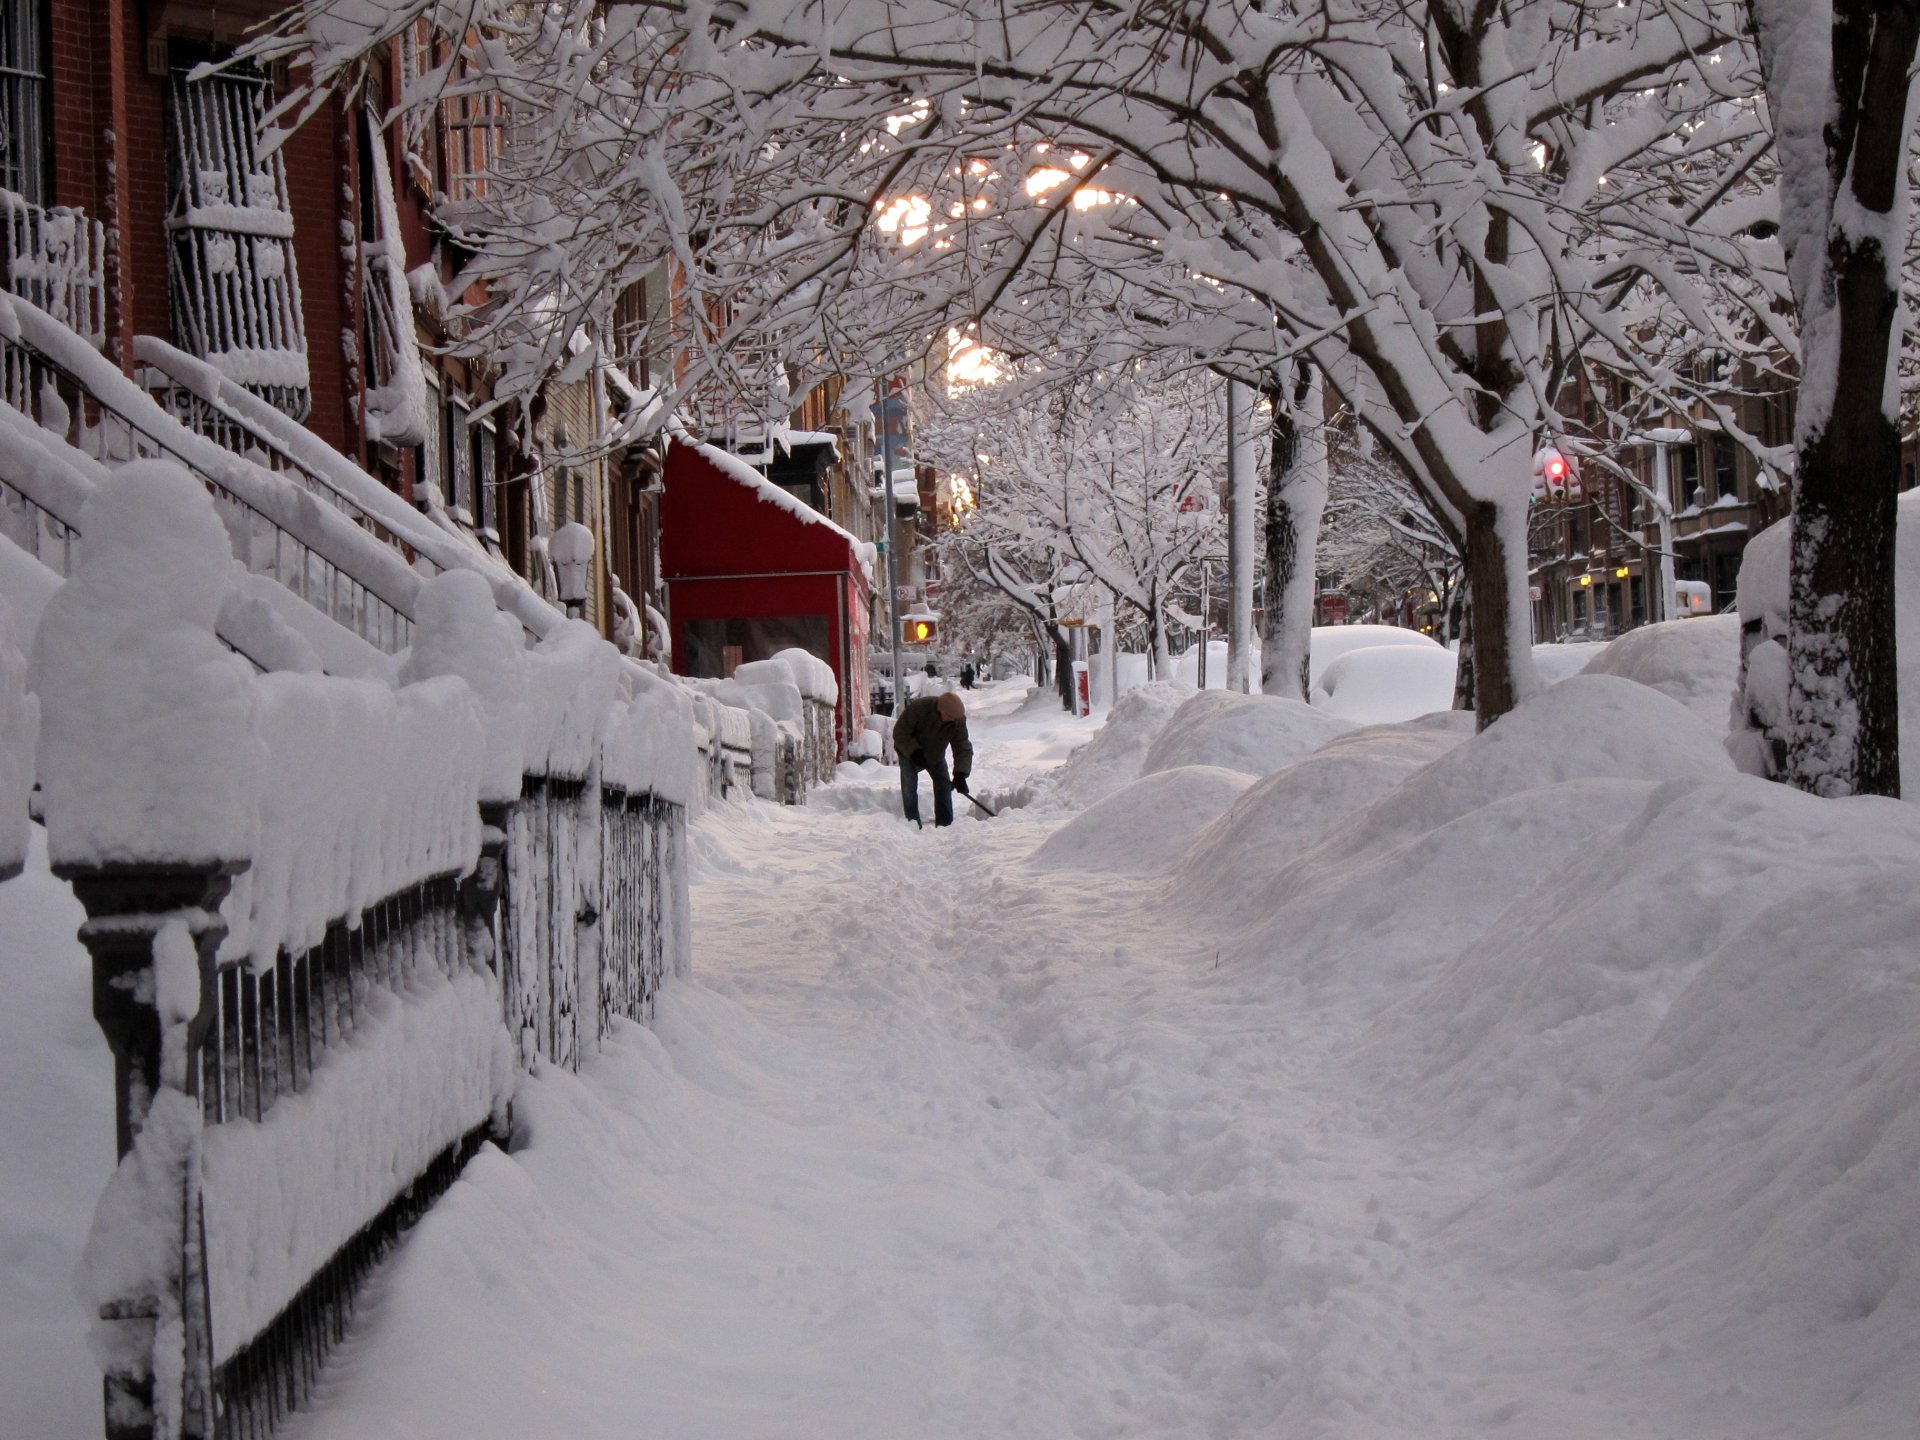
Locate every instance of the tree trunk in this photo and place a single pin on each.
(1843, 701)
(1496, 650)
(1296, 500)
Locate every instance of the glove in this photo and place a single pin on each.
(960, 784)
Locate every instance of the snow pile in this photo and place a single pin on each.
(649, 746)
(369, 792)
(813, 675)
(1382, 684)
(572, 676)
(1114, 755)
(1556, 662)
(459, 631)
(1329, 642)
(1287, 813)
(19, 732)
(1257, 734)
(1589, 727)
(149, 746)
(1143, 826)
(1695, 661)
(56, 1152)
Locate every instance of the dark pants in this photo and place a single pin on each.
(910, 768)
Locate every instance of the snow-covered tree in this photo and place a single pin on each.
(1110, 476)
(1840, 76)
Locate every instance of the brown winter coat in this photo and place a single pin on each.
(919, 731)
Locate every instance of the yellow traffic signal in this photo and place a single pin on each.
(920, 631)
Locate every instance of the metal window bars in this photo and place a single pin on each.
(236, 292)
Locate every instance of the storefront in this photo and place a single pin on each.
(750, 570)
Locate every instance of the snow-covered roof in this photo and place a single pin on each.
(737, 469)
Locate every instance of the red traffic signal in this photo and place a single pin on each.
(1556, 468)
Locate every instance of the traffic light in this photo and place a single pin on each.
(919, 632)
(1552, 475)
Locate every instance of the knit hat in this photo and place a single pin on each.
(951, 707)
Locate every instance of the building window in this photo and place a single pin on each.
(456, 450)
(23, 101)
(236, 295)
(630, 333)
(482, 436)
(475, 127)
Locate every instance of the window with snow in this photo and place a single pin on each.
(630, 333)
(236, 293)
(456, 450)
(394, 395)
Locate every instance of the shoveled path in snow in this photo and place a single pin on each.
(938, 1145)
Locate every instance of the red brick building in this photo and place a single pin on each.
(309, 275)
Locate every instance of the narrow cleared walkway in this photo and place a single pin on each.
(937, 1144)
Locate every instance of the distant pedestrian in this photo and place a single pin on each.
(922, 734)
(966, 676)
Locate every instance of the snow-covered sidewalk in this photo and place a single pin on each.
(943, 1143)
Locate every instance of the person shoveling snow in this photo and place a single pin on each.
(922, 734)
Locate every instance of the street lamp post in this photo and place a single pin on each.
(884, 414)
(1239, 541)
(1663, 511)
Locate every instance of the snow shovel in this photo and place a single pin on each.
(990, 814)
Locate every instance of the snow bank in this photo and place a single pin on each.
(1329, 642)
(1145, 825)
(1386, 683)
(1586, 727)
(56, 1152)
(1257, 734)
(1545, 1013)
(1556, 662)
(149, 747)
(1695, 661)
(1230, 865)
(1114, 755)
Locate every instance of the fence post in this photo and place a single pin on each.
(159, 1379)
(481, 903)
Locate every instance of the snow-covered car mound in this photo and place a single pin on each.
(1257, 734)
(1696, 662)
(1383, 684)
(1113, 756)
(1395, 889)
(1328, 643)
(1284, 815)
(1144, 826)
(1588, 727)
